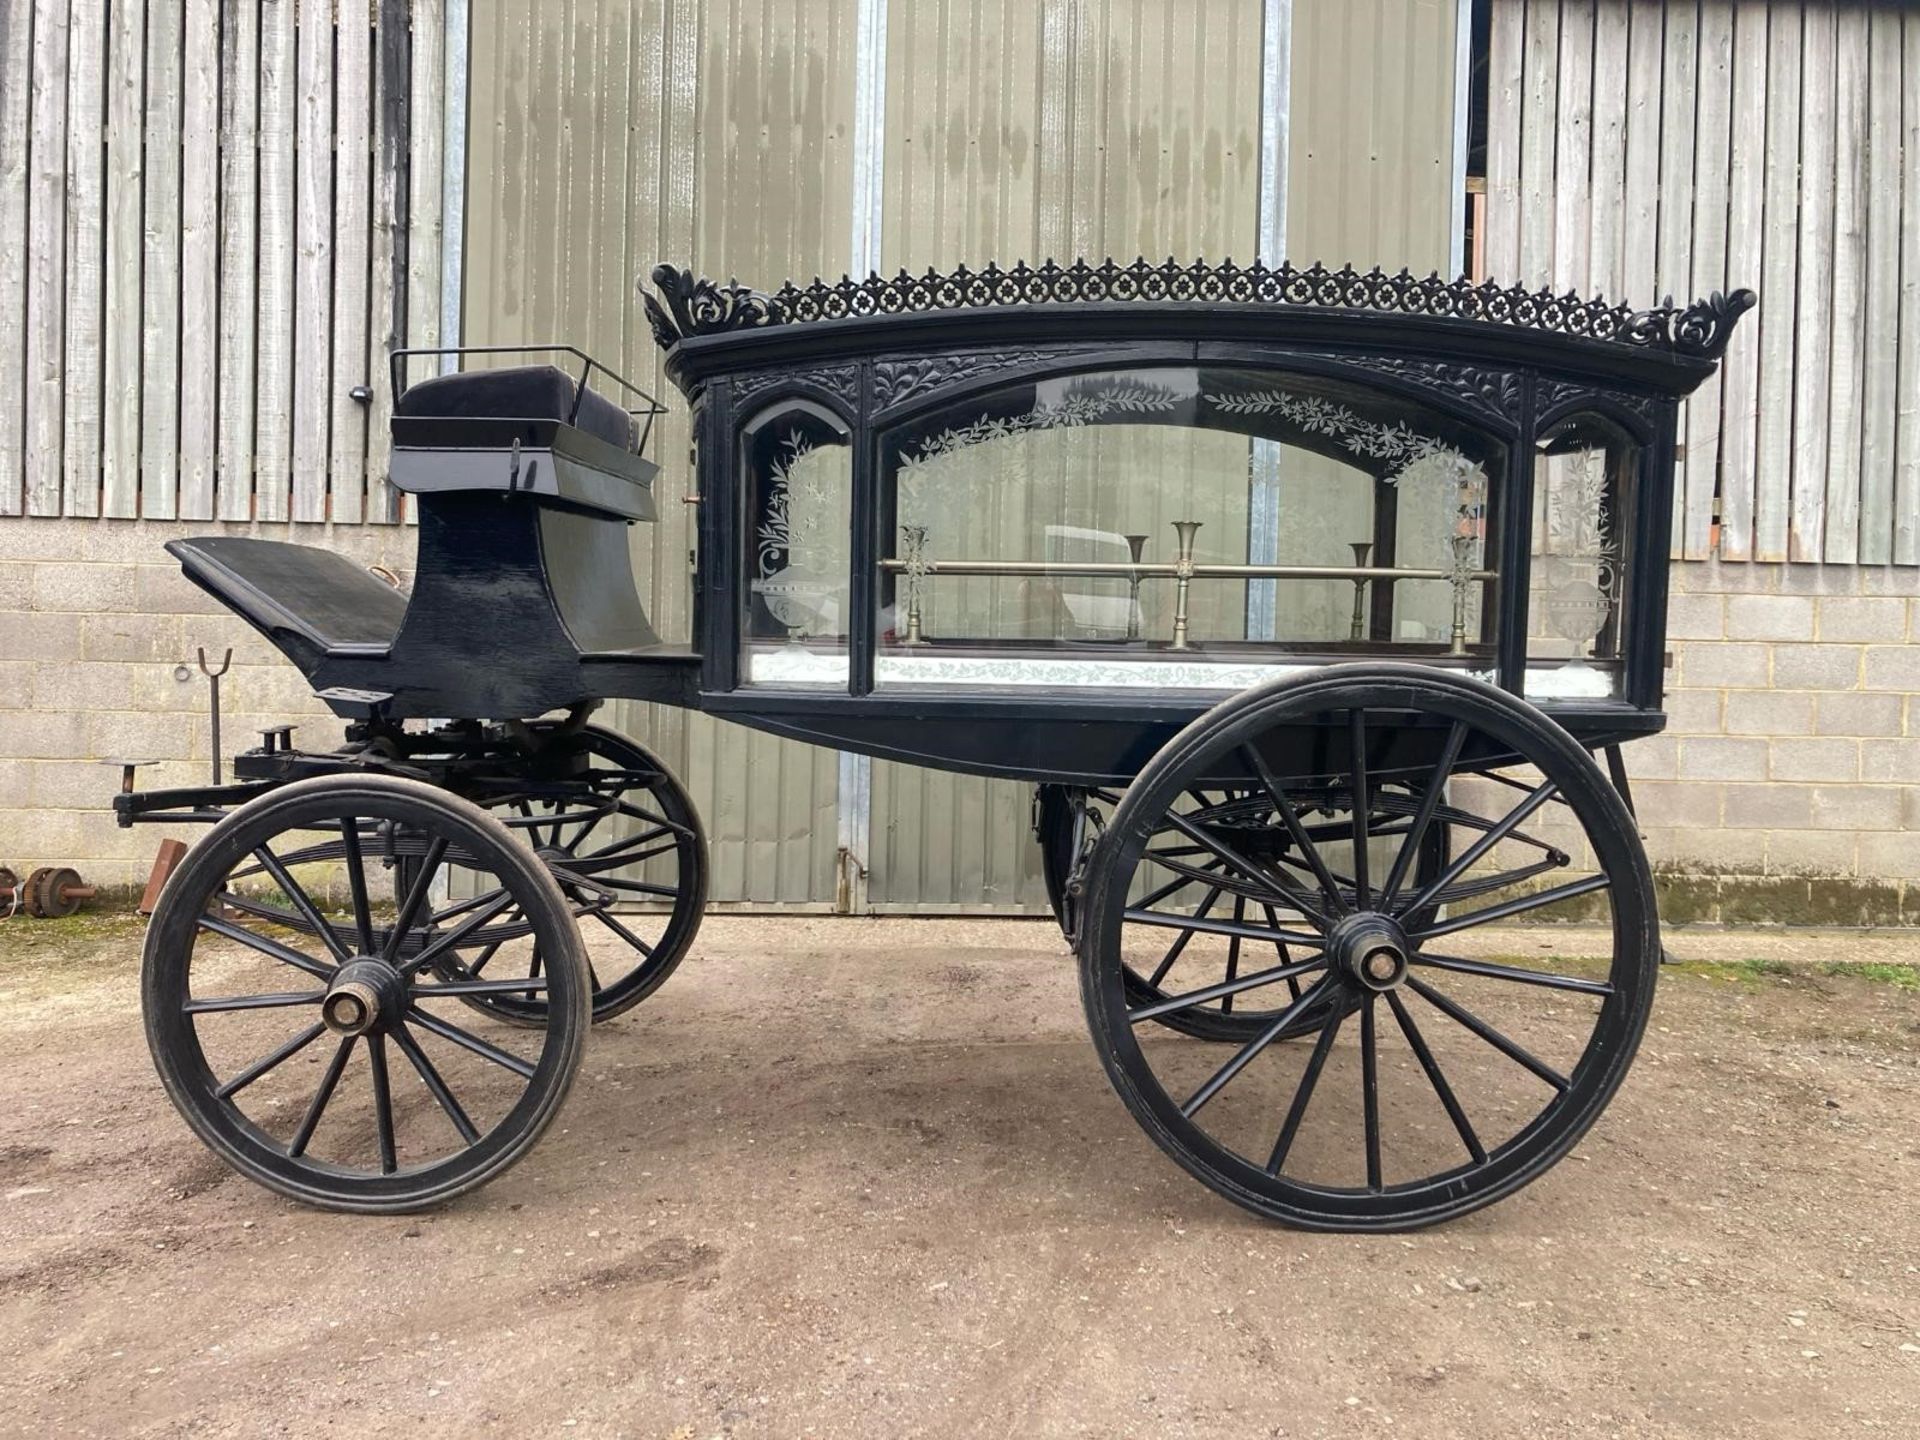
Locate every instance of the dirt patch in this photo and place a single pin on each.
(866, 1178)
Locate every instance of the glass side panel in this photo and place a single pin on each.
(1188, 526)
(798, 473)
(1583, 500)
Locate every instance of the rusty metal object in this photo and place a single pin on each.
(10, 892)
(54, 892)
(165, 861)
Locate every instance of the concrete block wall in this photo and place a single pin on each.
(1789, 776)
(1787, 786)
(95, 621)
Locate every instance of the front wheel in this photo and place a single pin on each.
(1471, 1065)
(303, 992)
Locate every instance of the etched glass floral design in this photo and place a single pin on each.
(799, 495)
(1578, 568)
(1051, 507)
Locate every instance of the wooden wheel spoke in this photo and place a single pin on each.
(616, 848)
(1199, 923)
(357, 881)
(1245, 1055)
(1179, 945)
(1536, 797)
(1418, 1044)
(270, 1060)
(1540, 898)
(452, 940)
(1545, 978)
(1216, 874)
(1423, 816)
(1370, 1089)
(302, 902)
(285, 954)
(382, 1102)
(460, 907)
(1514, 1051)
(636, 887)
(455, 989)
(221, 1003)
(1475, 886)
(416, 898)
(588, 824)
(1187, 999)
(1271, 882)
(1233, 953)
(1280, 948)
(1290, 817)
(623, 932)
(435, 1083)
(317, 1107)
(1303, 1093)
(1512, 784)
(1176, 885)
(466, 1040)
(1357, 743)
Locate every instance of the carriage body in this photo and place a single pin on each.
(1278, 584)
(959, 536)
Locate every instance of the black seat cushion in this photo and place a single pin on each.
(521, 392)
(308, 601)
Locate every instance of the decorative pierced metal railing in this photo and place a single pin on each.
(698, 306)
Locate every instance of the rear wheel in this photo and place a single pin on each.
(1070, 822)
(620, 832)
(1472, 1065)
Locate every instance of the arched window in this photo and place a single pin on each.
(798, 470)
(1584, 496)
(1208, 521)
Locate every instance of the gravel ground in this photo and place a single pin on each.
(866, 1178)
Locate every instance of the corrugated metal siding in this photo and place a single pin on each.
(1369, 182)
(1021, 131)
(1369, 165)
(609, 133)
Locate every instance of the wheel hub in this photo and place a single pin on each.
(1371, 951)
(365, 995)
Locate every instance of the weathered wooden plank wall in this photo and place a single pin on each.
(1639, 148)
(203, 207)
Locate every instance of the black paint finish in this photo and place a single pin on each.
(525, 599)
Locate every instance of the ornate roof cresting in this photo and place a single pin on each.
(691, 305)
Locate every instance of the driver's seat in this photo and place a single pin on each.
(311, 603)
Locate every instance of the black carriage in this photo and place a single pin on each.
(1304, 598)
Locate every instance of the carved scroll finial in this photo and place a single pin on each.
(698, 306)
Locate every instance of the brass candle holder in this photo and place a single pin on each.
(914, 542)
(1472, 502)
(1362, 551)
(1460, 578)
(1183, 579)
(1136, 547)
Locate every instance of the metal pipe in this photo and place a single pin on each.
(1201, 571)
